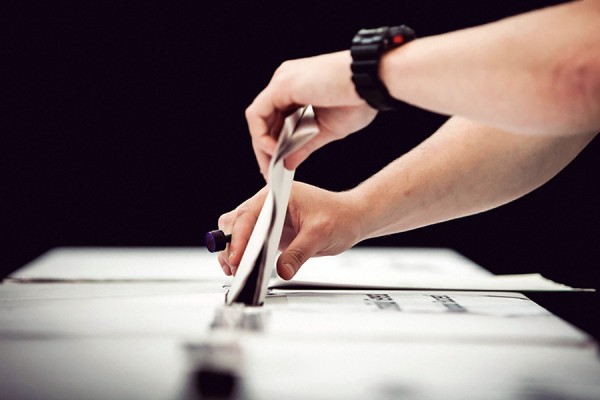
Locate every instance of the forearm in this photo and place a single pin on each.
(462, 169)
(537, 72)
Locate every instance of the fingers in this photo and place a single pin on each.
(240, 233)
(264, 121)
(225, 224)
(303, 247)
(263, 157)
(263, 143)
(240, 223)
(224, 266)
(265, 118)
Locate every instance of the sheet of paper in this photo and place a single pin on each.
(258, 262)
(414, 261)
(518, 282)
(377, 268)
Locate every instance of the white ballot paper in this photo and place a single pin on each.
(258, 262)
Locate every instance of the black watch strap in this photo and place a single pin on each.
(367, 47)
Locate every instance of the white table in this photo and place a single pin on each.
(106, 323)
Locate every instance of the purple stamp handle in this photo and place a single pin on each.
(216, 240)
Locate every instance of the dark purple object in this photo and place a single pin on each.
(216, 240)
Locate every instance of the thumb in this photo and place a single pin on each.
(297, 253)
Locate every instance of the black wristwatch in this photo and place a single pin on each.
(367, 47)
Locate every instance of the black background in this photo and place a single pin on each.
(124, 126)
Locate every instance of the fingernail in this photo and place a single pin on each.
(226, 270)
(234, 270)
(230, 257)
(291, 270)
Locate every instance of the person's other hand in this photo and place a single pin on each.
(318, 223)
(322, 81)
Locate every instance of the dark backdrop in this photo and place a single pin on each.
(124, 126)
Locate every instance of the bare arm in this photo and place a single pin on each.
(537, 72)
(464, 168)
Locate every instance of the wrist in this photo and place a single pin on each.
(355, 213)
(384, 209)
(368, 47)
(394, 70)
(364, 213)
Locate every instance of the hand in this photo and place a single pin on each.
(318, 223)
(322, 81)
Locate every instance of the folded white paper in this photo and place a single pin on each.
(258, 262)
(436, 269)
(518, 282)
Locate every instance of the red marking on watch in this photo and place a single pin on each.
(398, 39)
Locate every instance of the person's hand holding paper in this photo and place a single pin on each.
(318, 223)
(259, 252)
(323, 81)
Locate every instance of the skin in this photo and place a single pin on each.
(524, 96)
(462, 169)
(536, 73)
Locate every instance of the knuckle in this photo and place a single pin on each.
(225, 219)
(242, 209)
(324, 227)
(282, 72)
(282, 67)
(249, 111)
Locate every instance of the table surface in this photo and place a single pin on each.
(151, 324)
